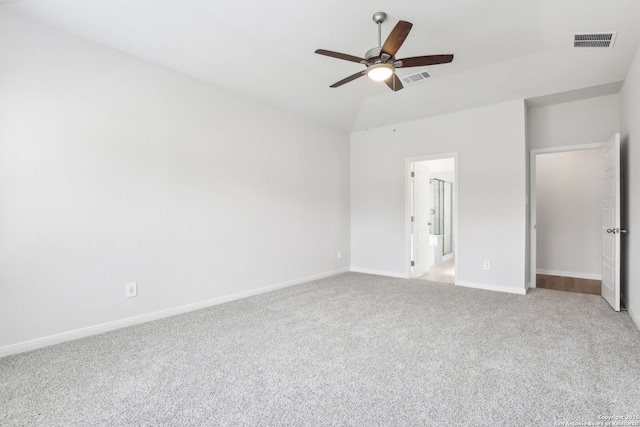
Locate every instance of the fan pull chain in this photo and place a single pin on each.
(366, 105)
(395, 118)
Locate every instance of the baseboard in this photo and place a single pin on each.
(569, 274)
(130, 321)
(378, 272)
(496, 288)
(634, 317)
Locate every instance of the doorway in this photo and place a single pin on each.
(432, 218)
(566, 219)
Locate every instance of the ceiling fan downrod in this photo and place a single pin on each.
(379, 18)
(372, 56)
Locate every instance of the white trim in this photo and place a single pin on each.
(130, 321)
(408, 162)
(532, 198)
(495, 288)
(564, 148)
(634, 317)
(591, 276)
(379, 272)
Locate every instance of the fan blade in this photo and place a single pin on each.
(339, 55)
(396, 38)
(394, 83)
(348, 79)
(420, 61)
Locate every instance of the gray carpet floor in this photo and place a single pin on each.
(353, 349)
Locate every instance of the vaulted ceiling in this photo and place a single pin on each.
(504, 49)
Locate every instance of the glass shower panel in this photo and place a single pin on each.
(447, 220)
(434, 214)
(440, 216)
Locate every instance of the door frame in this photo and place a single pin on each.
(408, 200)
(532, 197)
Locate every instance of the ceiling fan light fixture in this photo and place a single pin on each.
(380, 72)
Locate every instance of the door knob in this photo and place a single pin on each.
(615, 230)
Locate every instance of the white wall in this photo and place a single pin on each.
(491, 190)
(630, 107)
(569, 213)
(573, 123)
(114, 169)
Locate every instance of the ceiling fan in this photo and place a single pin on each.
(381, 61)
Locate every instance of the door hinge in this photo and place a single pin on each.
(413, 174)
(412, 218)
(413, 264)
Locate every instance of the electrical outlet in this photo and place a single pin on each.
(487, 265)
(339, 254)
(132, 289)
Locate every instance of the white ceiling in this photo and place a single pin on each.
(504, 49)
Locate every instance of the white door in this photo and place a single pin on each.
(420, 222)
(611, 227)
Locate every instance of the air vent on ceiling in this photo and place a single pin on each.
(414, 78)
(594, 40)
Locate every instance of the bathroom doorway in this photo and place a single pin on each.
(433, 221)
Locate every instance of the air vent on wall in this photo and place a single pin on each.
(414, 78)
(594, 40)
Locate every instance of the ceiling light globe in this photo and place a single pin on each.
(380, 72)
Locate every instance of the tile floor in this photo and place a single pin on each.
(444, 272)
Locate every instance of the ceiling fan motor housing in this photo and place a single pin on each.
(372, 54)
